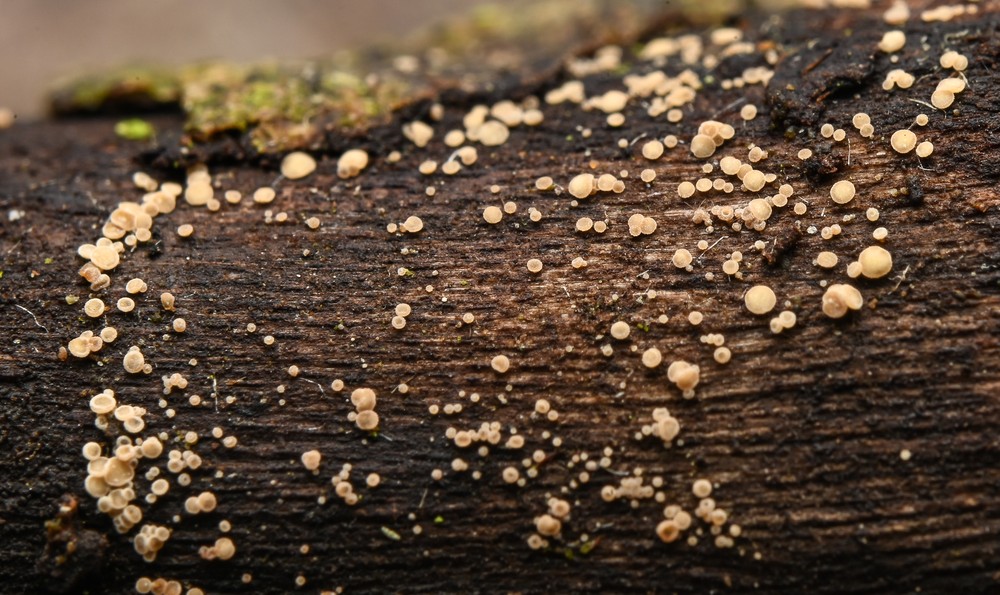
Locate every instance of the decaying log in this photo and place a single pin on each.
(857, 455)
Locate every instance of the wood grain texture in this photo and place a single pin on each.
(801, 431)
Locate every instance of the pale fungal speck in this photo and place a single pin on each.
(534, 265)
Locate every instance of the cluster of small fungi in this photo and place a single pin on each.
(719, 181)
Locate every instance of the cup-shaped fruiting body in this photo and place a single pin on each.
(311, 459)
(500, 363)
(620, 330)
(548, 525)
(652, 357)
(351, 163)
(903, 141)
(105, 257)
(492, 133)
(892, 41)
(581, 186)
(668, 531)
(492, 215)
(839, 298)
(413, 224)
(876, 262)
(684, 375)
(760, 299)
(297, 165)
(133, 361)
(842, 192)
(682, 258)
(652, 150)
(363, 399)
(367, 420)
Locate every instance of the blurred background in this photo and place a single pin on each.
(44, 40)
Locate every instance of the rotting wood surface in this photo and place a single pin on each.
(801, 432)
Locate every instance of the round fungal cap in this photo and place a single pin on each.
(224, 548)
(264, 195)
(548, 525)
(351, 163)
(668, 531)
(367, 420)
(297, 165)
(876, 262)
(105, 257)
(500, 363)
(493, 133)
(842, 192)
(703, 146)
(207, 501)
(492, 215)
(363, 399)
(652, 150)
(903, 141)
(151, 447)
(94, 308)
(418, 132)
(684, 375)
(134, 361)
(760, 299)
(311, 459)
(581, 185)
(839, 298)
(652, 357)
(103, 404)
(701, 488)
(892, 41)
(754, 180)
(413, 224)
(682, 258)
(620, 330)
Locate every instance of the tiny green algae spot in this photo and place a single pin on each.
(135, 129)
(390, 534)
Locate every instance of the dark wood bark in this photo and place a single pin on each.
(802, 431)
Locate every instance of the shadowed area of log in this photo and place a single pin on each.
(802, 432)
